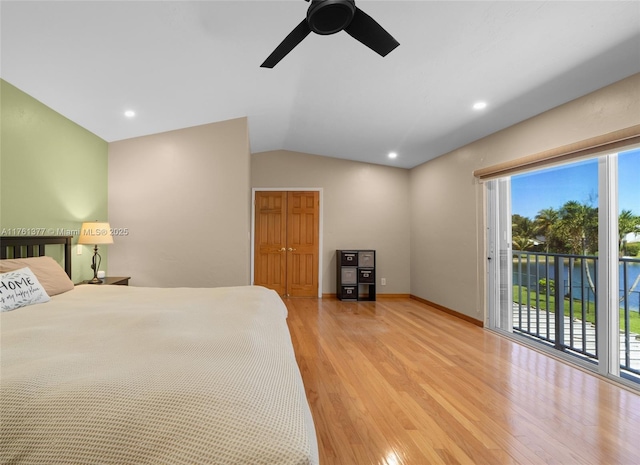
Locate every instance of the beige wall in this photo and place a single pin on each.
(184, 196)
(427, 224)
(365, 206)
(447, 215)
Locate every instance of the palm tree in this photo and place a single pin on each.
(521, 243)
(577, 228)
(627, 223)
(523, 232)
(544, 223)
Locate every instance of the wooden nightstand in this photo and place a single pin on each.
(113, 281)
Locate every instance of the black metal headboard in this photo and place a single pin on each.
(34, 246)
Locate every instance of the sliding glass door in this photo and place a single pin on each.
(628, 250)
(564, 262)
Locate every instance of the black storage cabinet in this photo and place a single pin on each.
(356, 274)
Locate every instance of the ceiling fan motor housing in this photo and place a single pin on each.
(330, 16)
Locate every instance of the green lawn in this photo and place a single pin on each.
(521, 294)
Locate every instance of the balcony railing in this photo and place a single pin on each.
(555, 301)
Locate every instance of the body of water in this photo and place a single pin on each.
(528, 274)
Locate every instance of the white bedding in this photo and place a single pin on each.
(127, 375)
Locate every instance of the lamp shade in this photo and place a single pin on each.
(95, 233)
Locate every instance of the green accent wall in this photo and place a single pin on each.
(53, 174)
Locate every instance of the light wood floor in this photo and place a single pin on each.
(395, 382)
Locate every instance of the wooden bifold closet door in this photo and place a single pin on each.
(287, 242)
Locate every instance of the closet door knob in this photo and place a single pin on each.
(291, 250)
(283, 250)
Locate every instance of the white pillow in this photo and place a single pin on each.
(20, 288)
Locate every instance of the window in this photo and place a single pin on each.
(564, 244)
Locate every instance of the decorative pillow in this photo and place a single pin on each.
(20, 288)
(50, 274)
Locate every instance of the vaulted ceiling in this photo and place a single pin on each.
(185, 63)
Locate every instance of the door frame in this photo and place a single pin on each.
(320, 225)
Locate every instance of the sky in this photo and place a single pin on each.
(553, 187)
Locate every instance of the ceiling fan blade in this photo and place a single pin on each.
(296, 36)
(365, 29)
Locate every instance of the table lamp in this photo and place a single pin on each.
(95, 233)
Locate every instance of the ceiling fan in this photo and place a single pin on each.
(326, 17)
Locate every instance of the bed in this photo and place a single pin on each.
(129, 375)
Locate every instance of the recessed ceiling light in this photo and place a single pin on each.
(480, 105)
(129, 113)
(393, 155)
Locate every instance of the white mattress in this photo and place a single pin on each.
(126, 375)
